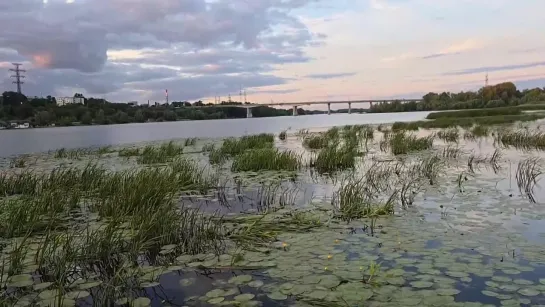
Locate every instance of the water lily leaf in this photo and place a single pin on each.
(89, 285)
(421, 284)
(244, 297)
(55, 303)
(187, 282)
(255, 284)
(215, 293)
(447, 291)
(277, 296)
(489, 293)
(230, 292)
(21, 283)
(216, 300)
(240, 280)
(523, 282)
(48, 294)
(529, 292)
(410, 301)
(42, 286)
(141, 302)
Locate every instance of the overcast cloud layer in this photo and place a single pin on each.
(277, 49)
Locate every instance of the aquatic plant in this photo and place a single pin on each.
(267, 159)
(236, 146)
(522, 139)
(190, 142)
(208, 147)
(430, 167)
(161, 154)
(129, 152)
(316, 141)
(333, 158)
(475, 113)
(466, 122)
(217, 157)
(282, 135)
(403, 143)
(332, 133)
(451, 152)
(18, 162)
(528, 170)
(450, 135)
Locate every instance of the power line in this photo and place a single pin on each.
(18, 76)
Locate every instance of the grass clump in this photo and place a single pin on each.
(129, 152)
(162, 154)
(334, 158)
(465, 122)
(317, 141)
(403, 143)
(236, 146)
(267, 159)
(450, 135)
(523, 139)
(476, 113)
(283, 135)
(190, 141)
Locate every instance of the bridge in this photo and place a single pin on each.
(302, 103)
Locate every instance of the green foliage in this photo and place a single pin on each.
(266, 159)
(282, 136)
(465, 122)
(315, 141)
(236, 146)
(403, 143)
(475, 113)
(162, 154)
(334, 158)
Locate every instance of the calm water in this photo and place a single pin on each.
(14, 142)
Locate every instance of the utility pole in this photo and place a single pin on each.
(166, 96)
(229, 98)
(486, 81)
(245, 96)
(240, 95)
(18, 76)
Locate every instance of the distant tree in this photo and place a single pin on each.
(42, 118)
(100, 118)
(139, 116)
(86, 119)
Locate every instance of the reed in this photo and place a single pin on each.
(334, 158)
(267, 159)
(236, 146)
(476, 113)
(523, 139)
(161, 154)
(318, 141)
(528, 171)
(403, 143)
(449, 135)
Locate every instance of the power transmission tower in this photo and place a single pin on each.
(486, 80)
(18, 76)
(240, 95)
(245, 96)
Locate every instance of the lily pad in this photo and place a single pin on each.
(187, 282)
(244, 297)
(215, 293)
(255, 284)
(89, 285)
(277, 296)
(529, 292)
(447, 291)
(216, 300)
(42, 286)
(141, 302)
(421, 284)
(240, 280)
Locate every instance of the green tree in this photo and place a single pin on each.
(100, 118)
(139, 116)
(86, 119)
(42, 118)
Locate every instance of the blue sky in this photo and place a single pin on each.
(278, 50)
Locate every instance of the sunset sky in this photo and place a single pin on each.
(278, 50)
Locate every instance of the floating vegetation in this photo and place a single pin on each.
(395, 222)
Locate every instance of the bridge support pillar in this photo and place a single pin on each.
(329, 109)
(370, 104)
(294, 111)
(349, 108)
(249, 113)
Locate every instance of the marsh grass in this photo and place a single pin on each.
(19, 162)
(527, 174)
(450, 135)
(430, 167)
(315, 141)
(267, 159)
(160, 154)
(353, 202)
(466, 122)
(208, 147)
(451, 152)
(129, 152)
(235, 146)
(402, 143)
(522, 139)
(190, 142)
(476, 113)
(334, 158)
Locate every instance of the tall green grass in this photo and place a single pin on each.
(465, 122)
(267, 159)
(315, 141)
(236, 146)
(334, 158)
(403, 143)
(161, 154)
(523, 139)
(476, 113)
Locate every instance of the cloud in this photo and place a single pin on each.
(493, 68)
(455, 49)
(331, 76)
(286, 91)
(82, 43)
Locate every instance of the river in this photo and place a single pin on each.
(22, 141)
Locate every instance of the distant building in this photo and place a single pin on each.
(132, 103)
(62, 101)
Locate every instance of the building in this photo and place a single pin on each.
(61, 101)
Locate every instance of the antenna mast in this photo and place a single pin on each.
(18, 76)
(486, 80)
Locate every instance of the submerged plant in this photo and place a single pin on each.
(403, 143)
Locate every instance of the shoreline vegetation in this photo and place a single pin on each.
(229, 222)
(44, 112)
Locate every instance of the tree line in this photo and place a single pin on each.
(44, 111)
(499, 95)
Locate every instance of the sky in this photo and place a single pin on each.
(276, 50)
